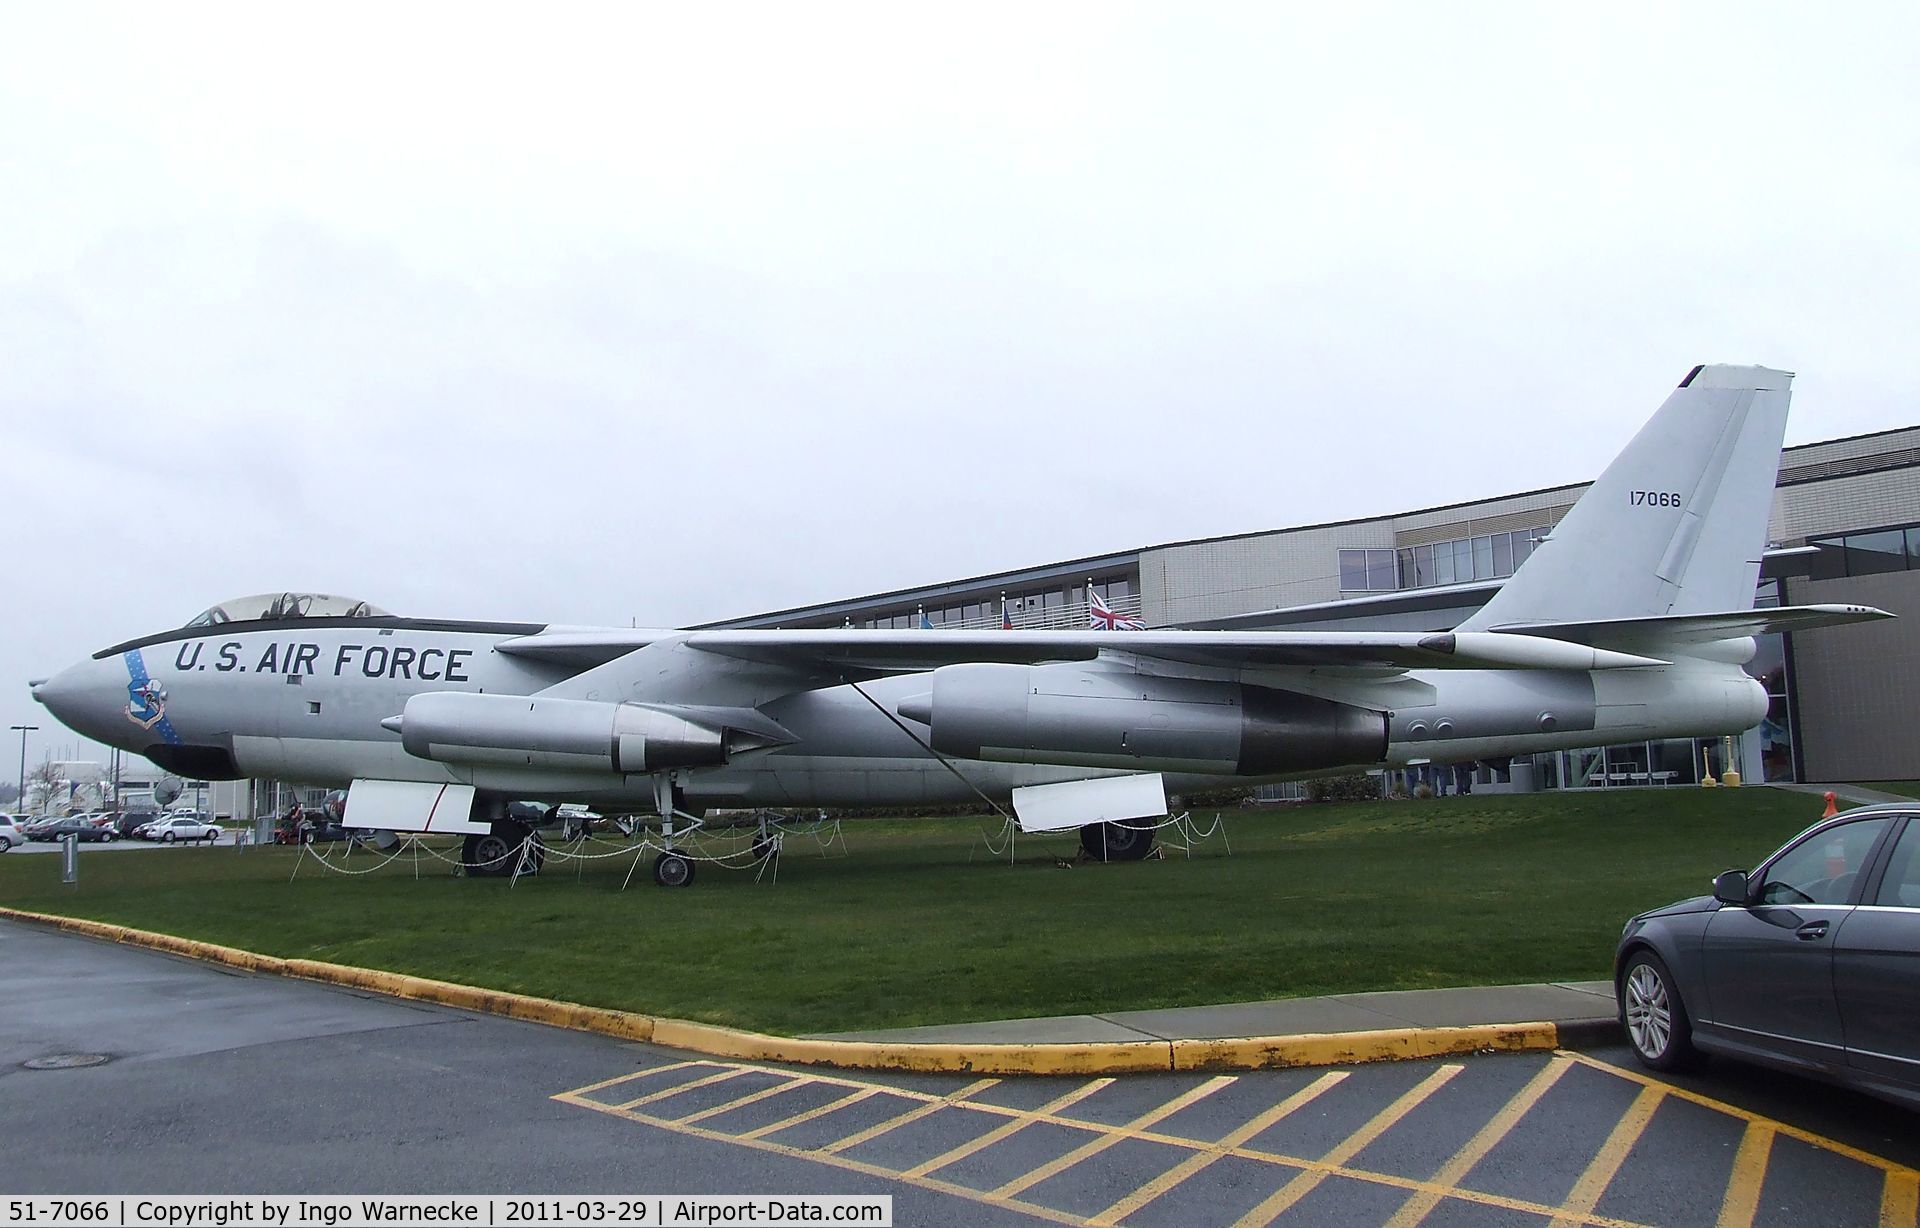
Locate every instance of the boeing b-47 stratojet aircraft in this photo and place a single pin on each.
(1630, 621)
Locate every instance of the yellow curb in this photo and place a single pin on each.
(1350, 1048)
(1095, 1057)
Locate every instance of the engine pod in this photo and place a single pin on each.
(532, 731)
(1102, 718)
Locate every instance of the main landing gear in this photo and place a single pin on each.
(1116, 841)
(507, 847)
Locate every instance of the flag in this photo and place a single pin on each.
(1006, 616)
(926, 624)
(1101, 618)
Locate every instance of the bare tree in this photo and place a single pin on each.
(47, 786)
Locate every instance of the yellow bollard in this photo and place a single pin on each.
(1731, 777)
(1706, 770)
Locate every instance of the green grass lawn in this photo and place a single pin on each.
(920, 925)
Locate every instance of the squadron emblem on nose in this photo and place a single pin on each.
(146, 702)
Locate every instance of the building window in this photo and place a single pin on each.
(1866, 554)
(1369, 571)
(1490, 556)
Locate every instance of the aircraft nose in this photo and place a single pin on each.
(85, 697)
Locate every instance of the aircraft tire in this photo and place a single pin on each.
(672, 870)
(763, 847)
(491, 855)
(1116, 841)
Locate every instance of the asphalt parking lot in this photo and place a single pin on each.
(221, 1081)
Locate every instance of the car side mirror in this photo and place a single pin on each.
(1730, 887)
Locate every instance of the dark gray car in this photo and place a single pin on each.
(1811, 962)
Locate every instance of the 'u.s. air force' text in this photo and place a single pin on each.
(370, 660)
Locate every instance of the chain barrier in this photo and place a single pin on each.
(758, 847)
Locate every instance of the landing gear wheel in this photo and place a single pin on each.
(763, 847)
(1655, 1018)
(495, 854)
(672, 870)
(1116, 841)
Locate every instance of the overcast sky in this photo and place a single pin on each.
(672, 314)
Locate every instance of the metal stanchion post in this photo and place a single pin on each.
(70, 859)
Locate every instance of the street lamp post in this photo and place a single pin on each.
(20, 799)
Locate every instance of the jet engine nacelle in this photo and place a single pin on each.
(579, 734)
(1100, 718)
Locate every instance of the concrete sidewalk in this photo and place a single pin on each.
(1852, 795)
(1582, 1009)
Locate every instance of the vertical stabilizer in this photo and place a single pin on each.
(1678, 522)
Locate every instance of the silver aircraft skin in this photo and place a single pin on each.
(1630, 622)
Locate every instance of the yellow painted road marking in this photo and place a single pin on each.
(1749, 1173)
(721, 1076)
(1900, 1199)
(1112, 1138)
(1606, 1162)
(1194, 1163)
(753, 1140)
(894, 1123)
(628, 1078)
(1009, 1128)
(1304, 1184)
(810, 1114)
(1455, 1170)
(744, 1101)
(1732, 1110)
(843, 1162)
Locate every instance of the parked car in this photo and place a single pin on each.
(41, 823)
(322, 831)
(1806, 963)
(10, 833)
(129, 823)
(178, 828)
(51, 833)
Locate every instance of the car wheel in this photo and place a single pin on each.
(1654, 1014)
(6, 845)
(106, 838)
(167, 839)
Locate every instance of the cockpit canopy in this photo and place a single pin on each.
(285, 605)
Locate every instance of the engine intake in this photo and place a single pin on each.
(1099, 718)
(529, 731)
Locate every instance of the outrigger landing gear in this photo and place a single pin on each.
(1116, 841)
(495, 854)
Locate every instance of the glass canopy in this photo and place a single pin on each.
(271, 606)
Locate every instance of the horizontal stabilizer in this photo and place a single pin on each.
(1659, 632)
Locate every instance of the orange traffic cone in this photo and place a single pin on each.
(1832, 808)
